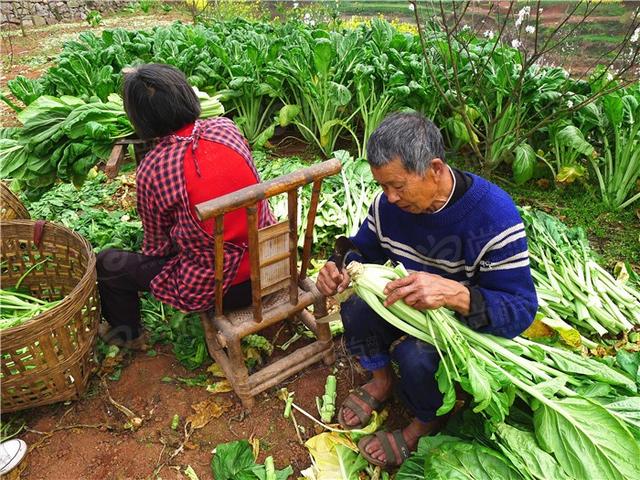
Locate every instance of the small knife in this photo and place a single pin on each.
(342, 248)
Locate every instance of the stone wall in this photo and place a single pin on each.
(47, 12)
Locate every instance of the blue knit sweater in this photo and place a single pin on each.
(479, 241)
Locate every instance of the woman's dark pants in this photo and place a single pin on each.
(370, 337)
(122, 275)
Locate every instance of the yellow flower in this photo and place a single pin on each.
(199, 4)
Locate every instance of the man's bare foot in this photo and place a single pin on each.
(411, 435)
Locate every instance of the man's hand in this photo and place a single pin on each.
(331, 280)
(422, 290)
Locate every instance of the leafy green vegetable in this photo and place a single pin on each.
(618, 170)
(65, 137)
(524, 163)
(232, 458)
(327, 405)
(234, 461)
(93, 211)
(450, 458)
(572, 288)
(630, 363)
(25, 89)
(175, 421)
(525, 453)
(335, 457)
(627, 409)
(585, 437)
(18, 308)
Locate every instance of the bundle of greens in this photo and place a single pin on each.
(570, 285)
(61, 138)
(17, 305)
(18, 308)
(586, 438)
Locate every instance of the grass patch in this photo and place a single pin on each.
(614, 235)
(601, 38)
(376, 8)
(604, 9)
(614, 9)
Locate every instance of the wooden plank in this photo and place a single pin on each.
(265, 262)
(254, 259)
(115, 159)
(219, 259)
(274, 242)
(272, 274)
(267, 289)
(250, 195)
(272, 315)
(274, 256)
(272, 231)
(308, 233)
(282, 369)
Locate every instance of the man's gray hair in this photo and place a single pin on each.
(411, 137)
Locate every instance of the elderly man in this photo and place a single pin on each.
(465, 241)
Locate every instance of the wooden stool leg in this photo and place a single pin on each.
(324, 332)
(328, 358)
(210, 335)
(241, 374)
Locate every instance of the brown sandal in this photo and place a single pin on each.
(392, 458)
(355, 407)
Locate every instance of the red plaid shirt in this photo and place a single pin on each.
(187, 279)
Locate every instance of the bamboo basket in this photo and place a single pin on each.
(48, 358)
(10, 206)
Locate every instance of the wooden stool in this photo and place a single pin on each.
(279, 290)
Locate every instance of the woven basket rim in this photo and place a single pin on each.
(87, 276)
(13, 202)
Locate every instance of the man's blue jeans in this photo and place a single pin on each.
(370, 337)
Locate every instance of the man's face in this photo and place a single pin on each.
(410, 191)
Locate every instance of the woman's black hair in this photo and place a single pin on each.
(158, 100)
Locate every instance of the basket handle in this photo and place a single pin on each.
(38, 231)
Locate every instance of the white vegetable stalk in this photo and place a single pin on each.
(494, 369)
(452, 339)
(571, 284)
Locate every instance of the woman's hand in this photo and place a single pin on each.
(331, 280)
(422, 290)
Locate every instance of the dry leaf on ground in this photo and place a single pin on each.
(207, 410)
(222, 386)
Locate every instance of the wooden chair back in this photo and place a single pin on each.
(273, 250)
